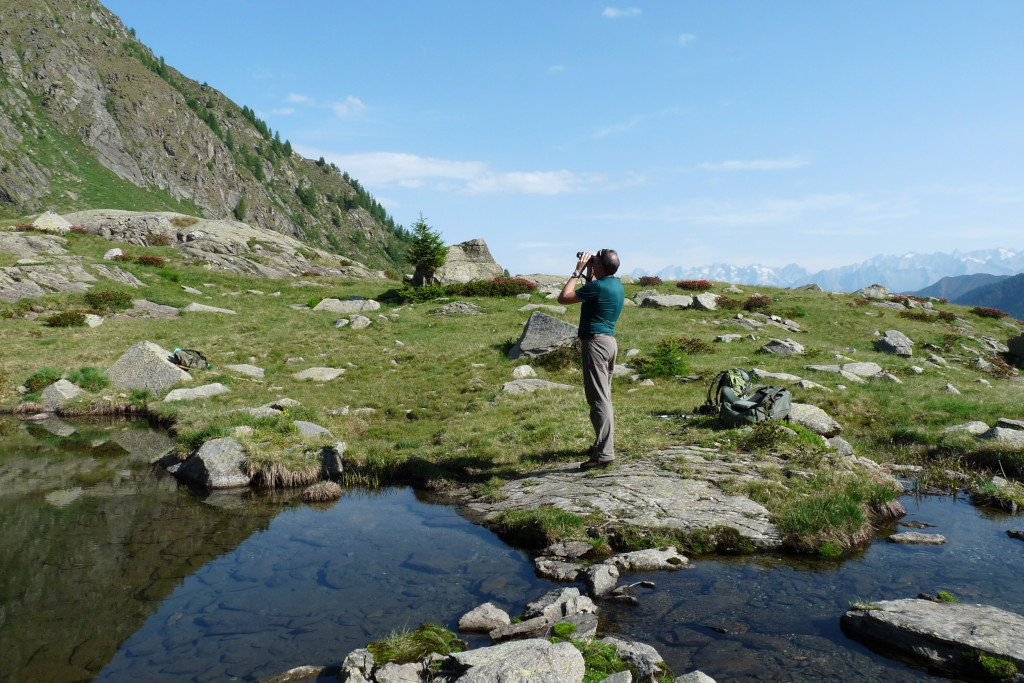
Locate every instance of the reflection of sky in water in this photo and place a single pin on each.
(782, 616)
(315, 584)
(320, 583)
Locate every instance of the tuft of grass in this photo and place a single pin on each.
(946, 596)
(322, 492)
(412, 646)
(671, 358)
(540, 526)
(109, 299)
(42, 378)
(90, 379)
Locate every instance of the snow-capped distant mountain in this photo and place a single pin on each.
(908, 272)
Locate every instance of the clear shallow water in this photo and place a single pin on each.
(113, 571)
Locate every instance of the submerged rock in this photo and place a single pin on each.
(216, 465)
(484, 619)
(944, 637)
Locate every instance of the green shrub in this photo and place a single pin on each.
(109, 299)
(919, 315)
(669, 359)
(694, 285)
(66, 319)
(758, 302)
(90, 379)
(159, 240)
(147, 260)
(565, 356)
(42, 378)
(649, 281)
(986, 312)
(728, 303)
(499, 287)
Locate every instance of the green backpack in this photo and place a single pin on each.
(766, 403)
(727, 385)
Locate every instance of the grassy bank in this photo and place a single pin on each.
(433, 383)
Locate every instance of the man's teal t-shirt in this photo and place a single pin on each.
(602, 304)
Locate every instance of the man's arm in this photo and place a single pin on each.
(568, 293)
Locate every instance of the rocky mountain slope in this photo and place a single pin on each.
(90, 118)
(899, 273)
(955, 287)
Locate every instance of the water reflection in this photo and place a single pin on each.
(777, 619)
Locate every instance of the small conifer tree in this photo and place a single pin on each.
(241, 209)
(427, 252)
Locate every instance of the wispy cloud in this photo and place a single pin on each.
(384, 169)
(615, 13)
(784, 164)
(350, 107)
(284, 111)
(685, 38)
(294, 98)
(617, 128)
(556, 68)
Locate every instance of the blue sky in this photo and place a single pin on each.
(678, 133)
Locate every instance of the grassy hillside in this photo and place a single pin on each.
(90, 118)
(439, 417)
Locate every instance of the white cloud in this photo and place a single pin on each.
(618, 128)
(294, 98)
(614, 13)
(785, 164)
(556, 68)
(382, 169)
(285, 111)
(350, 107)
(685, 38)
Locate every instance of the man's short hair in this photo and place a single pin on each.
(609, 260)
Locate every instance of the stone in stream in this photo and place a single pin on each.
(651, 559)
(600, 579)
(216, 465)
(484, 619)
(644, 658)
(916, 538)
(557, 569)
(944, 637)
(535, 660)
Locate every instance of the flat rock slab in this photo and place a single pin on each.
(937, 634)
(644, 493)
(320, 374)
(203, 308)
(194, 393)
(667, 301)
(348, 306)
(535, 660)
(245, 369)
(815, 419)
(916, 538)
(142, 308)
(1010, 437)
(542, 307)
(781, 376)
(528, 386)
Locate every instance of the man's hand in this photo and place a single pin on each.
(586, 262)
(568, 294)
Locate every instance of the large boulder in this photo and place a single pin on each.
(946, 637)
(146, 366)
(466, 261)
(542, 334)
(216, 465)
(875, 291)
(52, 222)
(667, 301)
(894, 341)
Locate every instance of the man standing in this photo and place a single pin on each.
(602, 298)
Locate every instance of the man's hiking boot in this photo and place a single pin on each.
(595, 464)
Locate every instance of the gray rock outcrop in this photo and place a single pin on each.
(937, 635)
(1016, 347)
(459, 308)
(535, 660)
(542, 334)
(783, 347)
(705, 301)
(466, 261)
(246, 369)
(216, 465)
(320, 374)
(146, 366)
(875, 291)
(203, 308)
(895, 342)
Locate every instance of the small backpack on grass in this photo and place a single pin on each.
(190, 359)
(736, 402)
(767, 403)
